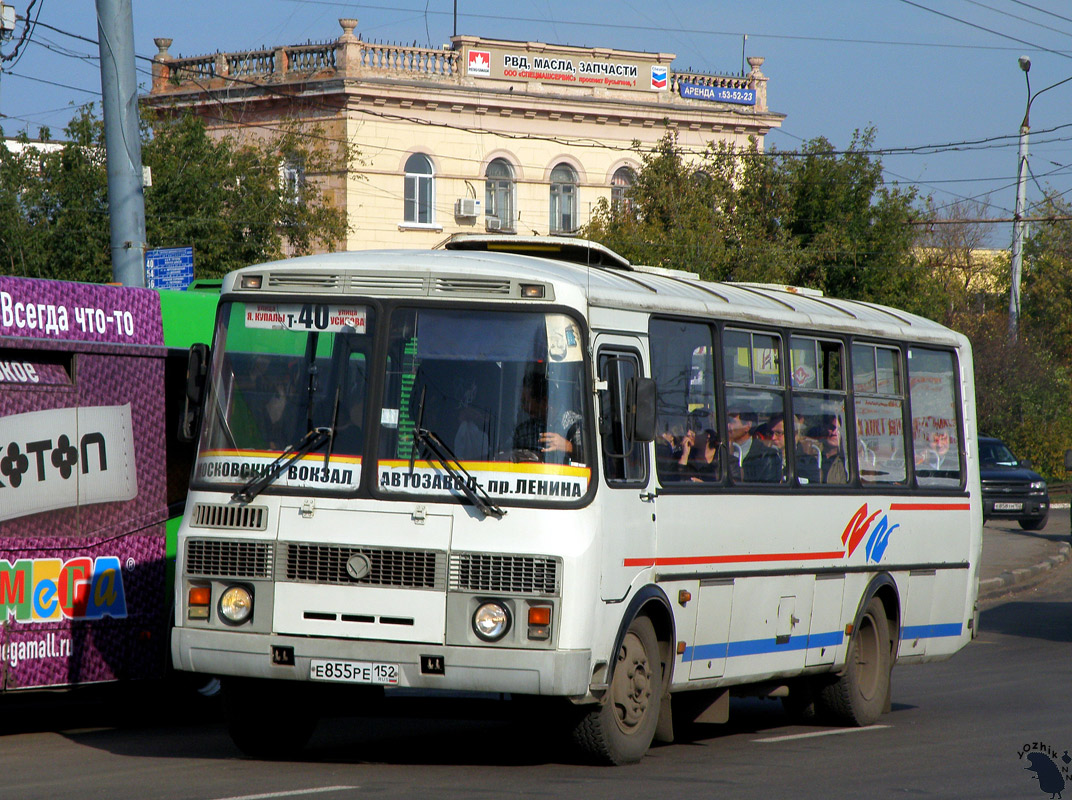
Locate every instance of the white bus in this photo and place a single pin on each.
(553, 473)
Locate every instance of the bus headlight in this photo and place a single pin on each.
(236, 605)
(491, 621)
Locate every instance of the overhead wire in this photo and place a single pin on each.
(928, 149)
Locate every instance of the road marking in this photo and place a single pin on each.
(84, 731)
(837, 732)
(292, 793)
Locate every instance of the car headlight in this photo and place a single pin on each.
(1038, 486)
(236, 605)
(491, 621)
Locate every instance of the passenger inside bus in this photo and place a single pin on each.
(554, 435)
(696, 456)
(772, 434)
(751, 461)
(350, 422)
(261, 417)
(827, 463)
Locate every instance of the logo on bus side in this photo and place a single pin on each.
(877, 533)
(44, 589)
(65, 457)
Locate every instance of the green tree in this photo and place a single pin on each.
(668, 214)
(815, 218)
(1022, 393)
(222, 196)
(852, 231)
(1046, 285)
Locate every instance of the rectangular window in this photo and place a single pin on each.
(683, 366)
(932, 376)
(818, 399)
(502, 393)
(624, 460)
(754, 411)
(880, 441)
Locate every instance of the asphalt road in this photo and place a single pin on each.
(957, 729)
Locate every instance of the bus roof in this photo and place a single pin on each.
(476, 273)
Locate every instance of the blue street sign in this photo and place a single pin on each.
(169, 267)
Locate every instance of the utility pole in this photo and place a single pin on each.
(7, 22)
(122, 140)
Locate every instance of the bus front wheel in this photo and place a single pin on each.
(858, 696)
(620, 731)
(268, 719)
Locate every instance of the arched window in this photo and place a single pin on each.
(563, 199)
(420, 190)
(499, 195)
(620, 182)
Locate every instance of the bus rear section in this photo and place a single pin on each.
(82, 484)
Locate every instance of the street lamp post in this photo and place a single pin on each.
(1018, 216)
(1021, 194)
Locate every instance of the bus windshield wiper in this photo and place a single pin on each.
(428, 440)
(432, 444)
(255, 485)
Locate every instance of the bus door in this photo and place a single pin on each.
(627, 501)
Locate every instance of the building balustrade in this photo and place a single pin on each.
(350, 56)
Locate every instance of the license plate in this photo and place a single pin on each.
(1008, 506)
(353, 672)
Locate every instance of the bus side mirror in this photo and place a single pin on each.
(196, 371)
(640, 402)
(1068, 460)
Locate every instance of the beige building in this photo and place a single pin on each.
(482, 135)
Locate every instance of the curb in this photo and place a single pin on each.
(992, 587)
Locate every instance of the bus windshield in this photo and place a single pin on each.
(493, 399)
(281, 371)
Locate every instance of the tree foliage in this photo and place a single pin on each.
(815, 218)
(222, 196)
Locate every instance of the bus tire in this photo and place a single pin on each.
(621, 729)
(268, 720)
(858, 696)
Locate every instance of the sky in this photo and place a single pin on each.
(938, 80)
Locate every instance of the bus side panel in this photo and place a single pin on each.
(82, 510)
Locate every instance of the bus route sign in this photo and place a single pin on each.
(169, 267)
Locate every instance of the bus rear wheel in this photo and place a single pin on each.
(858, 696)
(270, 720)
(620, 731)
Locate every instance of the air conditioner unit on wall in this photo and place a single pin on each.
(492, 223)
(466, 207)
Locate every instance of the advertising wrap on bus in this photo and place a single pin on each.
(83, 483)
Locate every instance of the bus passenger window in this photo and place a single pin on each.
(820, 440)
(936, 440)
(880, 446)
(688, 449)
(754, 410)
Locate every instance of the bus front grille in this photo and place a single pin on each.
(508, 574)
(218, 516)
(228, 559)
(323, 563)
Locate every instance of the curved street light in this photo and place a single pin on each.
(1021, 195)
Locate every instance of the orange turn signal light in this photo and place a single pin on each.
(540, 615)
(200, 595)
